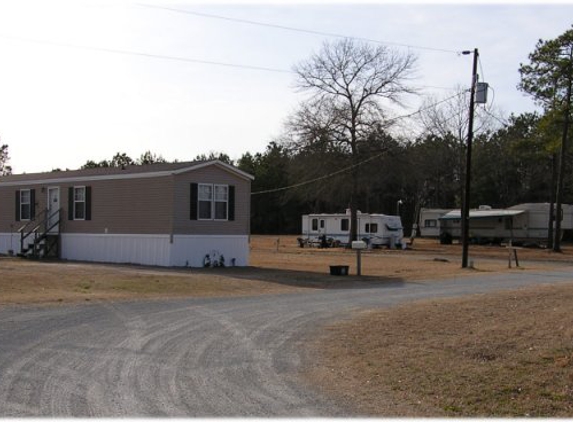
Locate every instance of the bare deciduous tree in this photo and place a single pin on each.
(449, 116)
(447, 120)
(348, 81)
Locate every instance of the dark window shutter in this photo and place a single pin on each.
(32, 204)
(194, 202)
(17, 205)
(70, 203)
(231, 203)
(88, 202)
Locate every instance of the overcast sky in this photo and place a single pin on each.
(82, 80)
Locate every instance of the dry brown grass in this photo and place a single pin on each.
(26, 282)
(503, 354)
(426, 259)
(277, 267)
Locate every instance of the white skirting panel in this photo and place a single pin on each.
(9, 242)
(195, 251)
(184, 251)
(116, 248)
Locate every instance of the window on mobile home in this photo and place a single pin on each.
(25, 204)
(221, 201)
(371, 227)
(212, 202)
(314, 224)
(430, 223)
(205, 201)
(344, 225)
(80, 203)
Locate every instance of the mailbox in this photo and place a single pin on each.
(358, 244)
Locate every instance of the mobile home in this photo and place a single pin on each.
(166, 214)
(519, 223)
(376, 229)
(430, 221)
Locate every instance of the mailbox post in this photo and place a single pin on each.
(358, 245)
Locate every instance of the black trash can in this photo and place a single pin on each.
(339, 269)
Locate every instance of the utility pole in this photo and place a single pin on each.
(466, 202)
(559, 196)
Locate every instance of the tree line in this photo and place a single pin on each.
(511, 165)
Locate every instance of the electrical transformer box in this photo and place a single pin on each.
(481, 92)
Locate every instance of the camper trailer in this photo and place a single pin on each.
(523, 223)
(334, 229)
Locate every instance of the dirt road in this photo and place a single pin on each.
(192, 357)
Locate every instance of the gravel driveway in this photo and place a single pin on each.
(192, 357)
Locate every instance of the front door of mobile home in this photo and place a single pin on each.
(53, 209)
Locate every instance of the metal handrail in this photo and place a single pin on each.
(32, 221)
(44, 218)
(22, 230)
(56, 212)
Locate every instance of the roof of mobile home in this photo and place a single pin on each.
(110, 173)
(456, 214)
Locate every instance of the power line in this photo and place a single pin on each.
(481, 69)
(294, 29)
(146, 55)
(489, 113)
(318, 179)
(163, 56)
(426, 108)
(485, 108)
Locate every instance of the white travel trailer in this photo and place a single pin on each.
(520, 223)
(375, 229)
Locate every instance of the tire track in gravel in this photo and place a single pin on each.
(194, 360)
(30, 371)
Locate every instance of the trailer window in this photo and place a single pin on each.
(79, 202)
(314, 224)
(322, 224)
(371, 227)
(344, 226)
(25, 204)
(430, 223)
(205, 195)
(221, 201)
